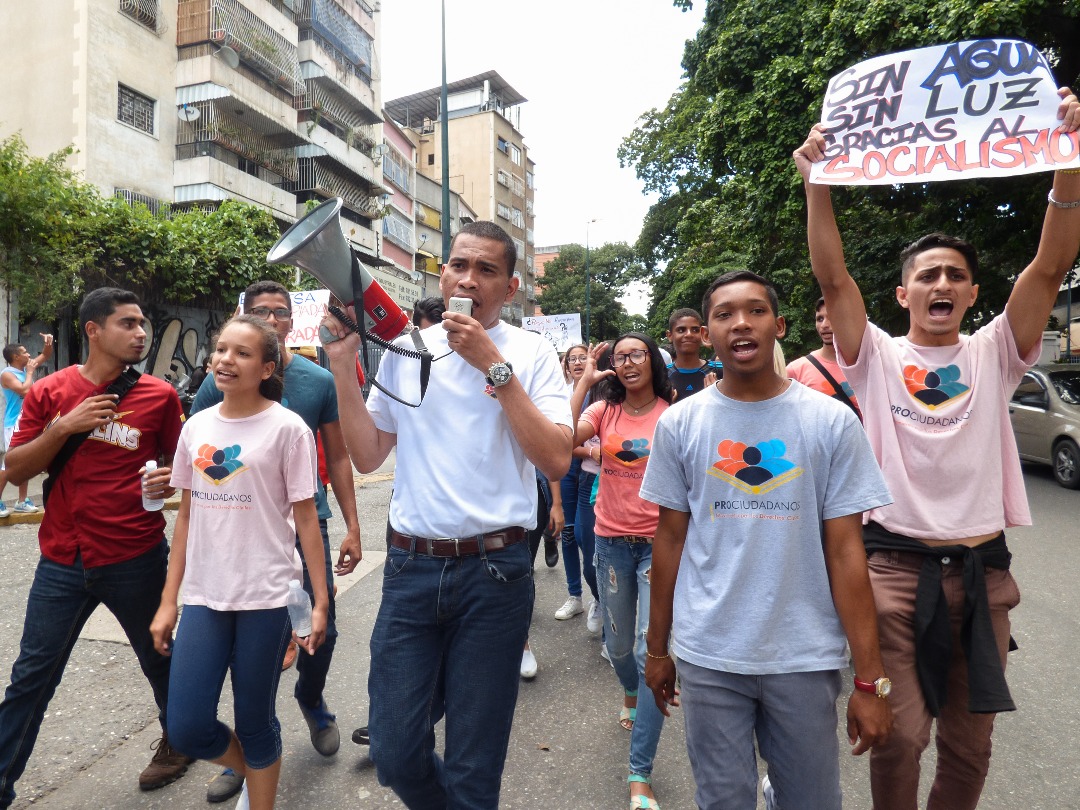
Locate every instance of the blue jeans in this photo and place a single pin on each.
(578, 543)
(624, 570)
(62, 597)
(250, 643)
(448, 639)
(793, 716)
(312, 669)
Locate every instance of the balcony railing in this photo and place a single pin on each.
(313, 175)
(333, 23)
(217, 125)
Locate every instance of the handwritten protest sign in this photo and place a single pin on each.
(981, 108)
(562, 330)
(308, 310)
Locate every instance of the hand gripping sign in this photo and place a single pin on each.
(981, 108)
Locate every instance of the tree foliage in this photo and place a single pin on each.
(719, 153)
(612, 268)
(59, 237)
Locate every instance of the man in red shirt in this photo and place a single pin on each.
(98, 544)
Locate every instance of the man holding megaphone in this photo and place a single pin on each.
(457, 585)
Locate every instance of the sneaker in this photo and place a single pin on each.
(290, 656)
(224, 786)
(768, 793)
(4, 511)
(604, 653)
(167, 766)
(551, 551)
(592, 620)
(322, 726)
(243, 803)
(528, 665)
(571, 608)
(25, 506)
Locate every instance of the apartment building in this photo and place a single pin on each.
(192, 102)
(489, 163)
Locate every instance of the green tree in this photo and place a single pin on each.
(612, 268)
(719, 153)
(59, 237)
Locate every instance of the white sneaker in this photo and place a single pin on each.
(571, 608)
(528, 664)
(4, 512)
(243, 804)
(604, 653)
(593, 620)
(25, 506)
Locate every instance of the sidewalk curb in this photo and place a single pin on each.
(172, 504)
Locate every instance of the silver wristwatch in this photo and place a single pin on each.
(499, 374)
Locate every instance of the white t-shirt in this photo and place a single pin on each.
(244, 476)
(460, 471)
(757, 478)
(938, 420)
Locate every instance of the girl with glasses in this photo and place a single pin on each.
(631, 397)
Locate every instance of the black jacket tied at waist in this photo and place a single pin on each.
(987, 690)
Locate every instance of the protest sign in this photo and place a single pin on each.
(562, 330)
(308, 310)
(980, 108)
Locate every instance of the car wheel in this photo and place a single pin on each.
(1067, 464)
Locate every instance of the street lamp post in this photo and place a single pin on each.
(588, 281)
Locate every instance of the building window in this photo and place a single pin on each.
(144, 12)
(520, 247)
(395, 170)
(503, 210)
(515, 155)
(529, 179)
(519, 186)
(502, 145)
(135, 109)
(431, 159)
(398, 230)
(503, 178)
(517, 218)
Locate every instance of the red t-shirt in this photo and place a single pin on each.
(95, 508)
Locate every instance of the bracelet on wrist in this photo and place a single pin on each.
(657, 657)
(1058, 204)
(1069, 171)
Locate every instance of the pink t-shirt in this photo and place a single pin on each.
(937, 418)
(805, 372)
(244, 476)
(625, 443)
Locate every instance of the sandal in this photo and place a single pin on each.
(628, 714)
(639, 801)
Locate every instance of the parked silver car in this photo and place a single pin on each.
(1045, 414)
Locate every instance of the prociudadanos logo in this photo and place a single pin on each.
(934, 388)
(219, 465)
(755, 469)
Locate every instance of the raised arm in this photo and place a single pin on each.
(1036, 288)
(843, 300)
(368, 446)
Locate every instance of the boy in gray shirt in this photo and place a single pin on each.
(759, 574)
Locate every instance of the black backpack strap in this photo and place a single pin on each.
(120, 386)
(841, 394)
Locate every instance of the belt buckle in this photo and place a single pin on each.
(457, 546)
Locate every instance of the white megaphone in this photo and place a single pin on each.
(317, 245)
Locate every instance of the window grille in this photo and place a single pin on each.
(135, 109)
(144, 12)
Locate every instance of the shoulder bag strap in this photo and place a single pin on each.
(840, 392)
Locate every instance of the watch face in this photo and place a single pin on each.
(884, 686)
(500, 374)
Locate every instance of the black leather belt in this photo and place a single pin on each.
(457, 546)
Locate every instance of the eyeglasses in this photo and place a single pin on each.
(576, 361)
(280, 313)
(637, 357)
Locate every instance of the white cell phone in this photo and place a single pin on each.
(462, 305)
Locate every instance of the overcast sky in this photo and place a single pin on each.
(588, 68)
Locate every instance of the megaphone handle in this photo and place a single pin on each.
(425, 355)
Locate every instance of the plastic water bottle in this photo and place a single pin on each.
(151, 504)
(299, 609)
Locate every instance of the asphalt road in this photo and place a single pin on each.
(567, 750)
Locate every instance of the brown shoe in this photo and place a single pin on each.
(290, 656)
(167, 766)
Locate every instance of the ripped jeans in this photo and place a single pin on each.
(622, 576)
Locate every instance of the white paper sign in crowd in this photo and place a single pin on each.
(562, 330)
(308, 311)
(981, 108)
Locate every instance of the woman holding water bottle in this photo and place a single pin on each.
(247, 471)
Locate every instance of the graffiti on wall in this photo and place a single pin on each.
(177, 340)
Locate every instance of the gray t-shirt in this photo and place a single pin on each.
(758, 478)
